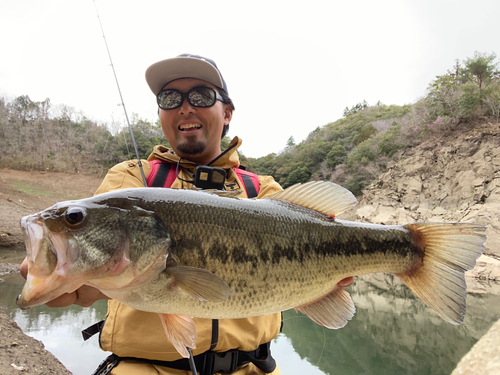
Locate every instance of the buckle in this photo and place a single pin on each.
(223, 363)
(107, 365)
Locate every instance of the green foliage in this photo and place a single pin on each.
(146, 135)
(336, 156)
(481, 69)
(362, 155)
(353, 139)
(390, 141)
(466, 92)
(33, 139)
(355, 108)
(223, 143)
(298, 175)
(364, 133)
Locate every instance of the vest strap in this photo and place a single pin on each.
(163, 175)
(207, 363)
(88, 332)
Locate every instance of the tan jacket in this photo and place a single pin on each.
(133, 333)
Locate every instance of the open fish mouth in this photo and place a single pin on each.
(56, 266)
(49, 255)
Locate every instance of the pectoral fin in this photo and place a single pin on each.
(332, 310)
(180, 331)
(199, 283)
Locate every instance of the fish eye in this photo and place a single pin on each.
(75, 216)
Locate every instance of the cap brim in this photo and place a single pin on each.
(165, 71)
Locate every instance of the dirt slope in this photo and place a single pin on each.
(44, 189)
(20, 353)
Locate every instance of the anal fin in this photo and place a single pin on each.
(180, 331)
(333, 310)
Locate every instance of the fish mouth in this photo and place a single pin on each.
(49, 255)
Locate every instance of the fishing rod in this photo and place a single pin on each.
(122, 101)
(192, 364)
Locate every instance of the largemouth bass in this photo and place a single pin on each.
(185, 253)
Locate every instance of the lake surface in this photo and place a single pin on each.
(392, 332)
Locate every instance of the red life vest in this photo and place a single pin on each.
(163, 175)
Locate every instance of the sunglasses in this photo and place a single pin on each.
(200, 97)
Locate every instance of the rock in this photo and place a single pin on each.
(486, 269)
(458, 181)
(484, 357)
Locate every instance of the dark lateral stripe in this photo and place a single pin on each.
(161, 175)
(250, 188)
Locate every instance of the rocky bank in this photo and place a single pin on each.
(453, 178)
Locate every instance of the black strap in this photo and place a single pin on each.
(207, 363)
(88, 332)
(107, 365)
(215, 333)
(249, 186)
(161, 175)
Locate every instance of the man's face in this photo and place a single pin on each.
(194, 133)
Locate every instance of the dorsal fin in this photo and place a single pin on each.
(325, 197)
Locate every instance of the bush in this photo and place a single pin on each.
(336, 156)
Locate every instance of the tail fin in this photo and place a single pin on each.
(449, 251)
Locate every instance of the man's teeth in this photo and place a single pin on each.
(189, 126)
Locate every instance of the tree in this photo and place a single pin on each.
(298, 176)
(481, 68)
(291, 142)
(355, 108)
(336, 156)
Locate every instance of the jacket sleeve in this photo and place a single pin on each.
(268, 187)
(123, 176)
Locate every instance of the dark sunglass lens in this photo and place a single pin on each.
(169, 99)
(202, 97)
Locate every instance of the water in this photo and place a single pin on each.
(393, 332)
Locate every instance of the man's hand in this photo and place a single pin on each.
(84, 296)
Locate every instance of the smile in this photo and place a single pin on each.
(189, 126)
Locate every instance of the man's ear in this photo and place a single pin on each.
(228, 114)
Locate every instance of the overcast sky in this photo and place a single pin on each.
(290, 66)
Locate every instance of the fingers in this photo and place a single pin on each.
(63, 301)
(84, 296)
(87, 295)
(23, 269)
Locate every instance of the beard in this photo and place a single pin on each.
(191, 147)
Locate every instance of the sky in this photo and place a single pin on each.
(289, 66)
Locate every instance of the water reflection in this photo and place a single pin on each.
(393, 332)
(58, 329)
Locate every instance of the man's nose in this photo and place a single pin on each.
(186, 107)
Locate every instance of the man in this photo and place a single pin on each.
(195, 111)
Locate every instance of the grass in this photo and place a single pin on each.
(30, 189)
